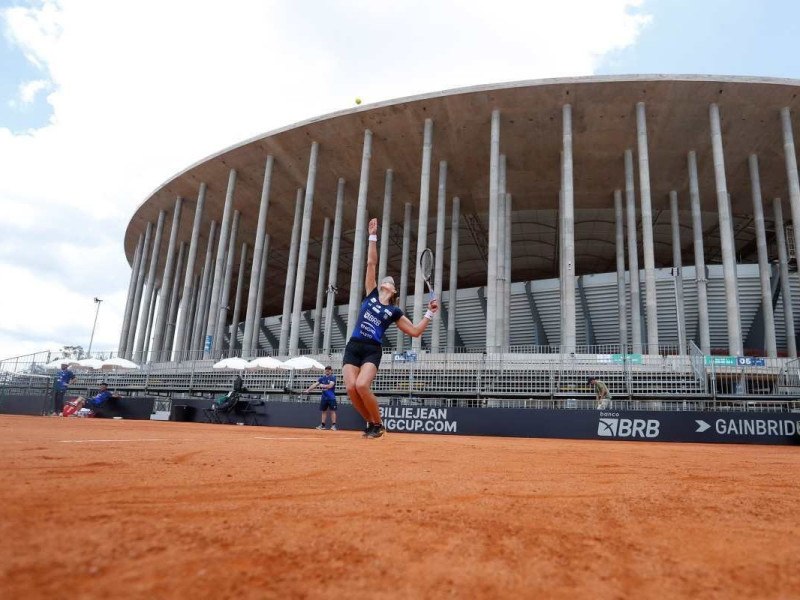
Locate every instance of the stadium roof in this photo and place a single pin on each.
(604, 126)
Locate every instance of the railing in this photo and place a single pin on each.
(553, 377)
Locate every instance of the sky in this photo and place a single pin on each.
(101, 102)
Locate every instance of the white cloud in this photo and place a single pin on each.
(139, 90)
(30, 89)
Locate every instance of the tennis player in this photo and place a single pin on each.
(363, 352)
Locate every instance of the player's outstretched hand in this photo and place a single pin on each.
(433, 305)
(373, 227)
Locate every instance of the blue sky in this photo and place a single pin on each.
(717, 37)
(106, 79)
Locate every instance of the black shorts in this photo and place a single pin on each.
(327, 403)
(357, 353)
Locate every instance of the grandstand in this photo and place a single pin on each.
(641, 229)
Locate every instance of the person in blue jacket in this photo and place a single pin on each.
(363, 352)
(327, 402)
(95, 403)
(60, 386)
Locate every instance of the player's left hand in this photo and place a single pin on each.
(433, 305)
(373, 227)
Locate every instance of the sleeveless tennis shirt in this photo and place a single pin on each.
(374, 318)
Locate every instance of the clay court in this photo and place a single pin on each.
(104, 508)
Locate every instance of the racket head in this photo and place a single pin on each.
(426, 263)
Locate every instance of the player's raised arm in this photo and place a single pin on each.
(370, 281)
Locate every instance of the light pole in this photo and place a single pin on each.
(91, 339)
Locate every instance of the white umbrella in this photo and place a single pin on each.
(303, 362)
(265, 362)
(235, 362)
(90, 363)
(56, 364)
(119, 363)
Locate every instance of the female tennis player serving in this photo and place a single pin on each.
(363, 352)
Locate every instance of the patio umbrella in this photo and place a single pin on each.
(236, 363)
(56, 364)
(303, 362)
(119, 363)
(90, 363)
(265, 362)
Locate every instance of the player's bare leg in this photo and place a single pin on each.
(364, 389)
(351, 373)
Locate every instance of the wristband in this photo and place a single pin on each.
(429, 315)
(373, 238)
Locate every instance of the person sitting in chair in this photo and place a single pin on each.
(93, 405)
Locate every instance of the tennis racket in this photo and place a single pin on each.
(426, 267)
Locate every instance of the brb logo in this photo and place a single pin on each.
(627, 428)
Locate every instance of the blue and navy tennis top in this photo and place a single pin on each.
(329, 394)
(374, 318)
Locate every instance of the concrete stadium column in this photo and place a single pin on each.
(620, 247)
(326, 239)
(191, 307)
(491, 267)
(438, 275)
(154, 299)
(507, 278)
(699, 256)
(302, 259)
(764, 272)
(333, 268)
(452, 290)
(291, 272)
(148, 297)
(790, 158)
(223, 307)
(633, 256)
(166, 284)
(237, 303)
(356, 280)
(255, 267)
(174, 301)
(500, 284)
(786, 290)
(647, 230)
(401, 338)
(726, 236)
(677, 263)
(568, 335)
(210, 343)
(126, 321)
(137, 298)
(422, 226)
(386, 224)
(500, 281)
(188, 277)
(262, 282)
(195, 349)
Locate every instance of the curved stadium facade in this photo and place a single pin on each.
(642, 214)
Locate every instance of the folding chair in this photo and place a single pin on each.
(222, 408)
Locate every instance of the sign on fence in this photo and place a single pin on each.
(407, 356)
(734, 361)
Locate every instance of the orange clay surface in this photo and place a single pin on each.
(140, 509)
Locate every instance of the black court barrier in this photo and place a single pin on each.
(652, 426)
(26, 404)
(732, 427)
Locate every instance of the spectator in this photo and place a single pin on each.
(63, 379)
(327, 402)
(95, 403)
(601, 393)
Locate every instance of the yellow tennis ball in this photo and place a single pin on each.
(358, 100)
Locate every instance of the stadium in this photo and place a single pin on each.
(640, 230)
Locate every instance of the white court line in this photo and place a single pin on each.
(105, 441)
(287, 438)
